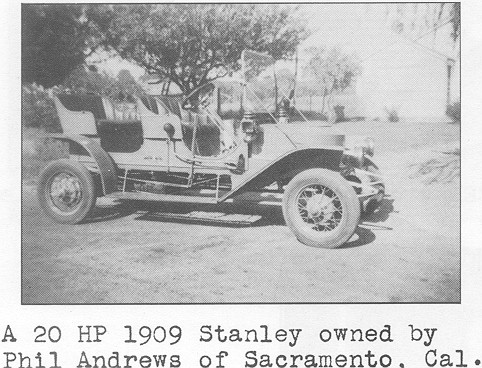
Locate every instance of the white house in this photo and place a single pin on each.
(408, 78)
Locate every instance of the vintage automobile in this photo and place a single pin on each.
(178, 149)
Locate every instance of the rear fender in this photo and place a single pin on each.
(105, 164)
(286, 167)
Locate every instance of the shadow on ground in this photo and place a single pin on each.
(108, 213)
(382, 213)
(258, 214)
(252, 214)
(364, 233)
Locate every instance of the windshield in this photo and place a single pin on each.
(268, 84)
(260, 82)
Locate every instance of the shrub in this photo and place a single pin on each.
(453, 111)
(38, 110)
(339, 112)
(38, 152)
(392, 114)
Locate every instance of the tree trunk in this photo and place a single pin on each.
(330, 109)
(325, 92)
(296, 77)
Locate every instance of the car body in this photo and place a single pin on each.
(176, 149)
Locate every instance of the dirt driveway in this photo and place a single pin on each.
(408, 251)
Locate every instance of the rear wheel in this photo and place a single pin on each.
(66, 191)
(321, 208)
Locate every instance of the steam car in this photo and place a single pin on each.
(178, 149)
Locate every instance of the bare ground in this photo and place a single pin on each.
(408, 251)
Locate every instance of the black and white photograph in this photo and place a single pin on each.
(235, 153)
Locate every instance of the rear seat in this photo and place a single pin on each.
(103, 108)
(84, 102)
(120, 131)
(78, 121)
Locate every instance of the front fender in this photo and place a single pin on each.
(287, 166)
(105, 164)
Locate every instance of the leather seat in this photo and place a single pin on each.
(116, 135)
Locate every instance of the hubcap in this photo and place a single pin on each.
(65, 192)
(319, 207)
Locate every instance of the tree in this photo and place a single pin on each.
(192, 44)
(331, 71)
(418, 18)
(55, 41)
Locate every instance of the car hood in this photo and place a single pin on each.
(304, 134)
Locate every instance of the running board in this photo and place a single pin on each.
(143, 196)
(209, 218)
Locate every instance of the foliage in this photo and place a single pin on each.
(122, 88)
(55, 41)
(191, 44)
(308, 88)
(420, 17)
(38, 110)
(453, 111)
(38, 152)
(330, 71)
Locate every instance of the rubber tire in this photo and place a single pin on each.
(89, 197)
(347, 196)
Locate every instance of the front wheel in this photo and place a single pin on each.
(321, 208)
(66, 191)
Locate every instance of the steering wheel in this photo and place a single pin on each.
(199, 98)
